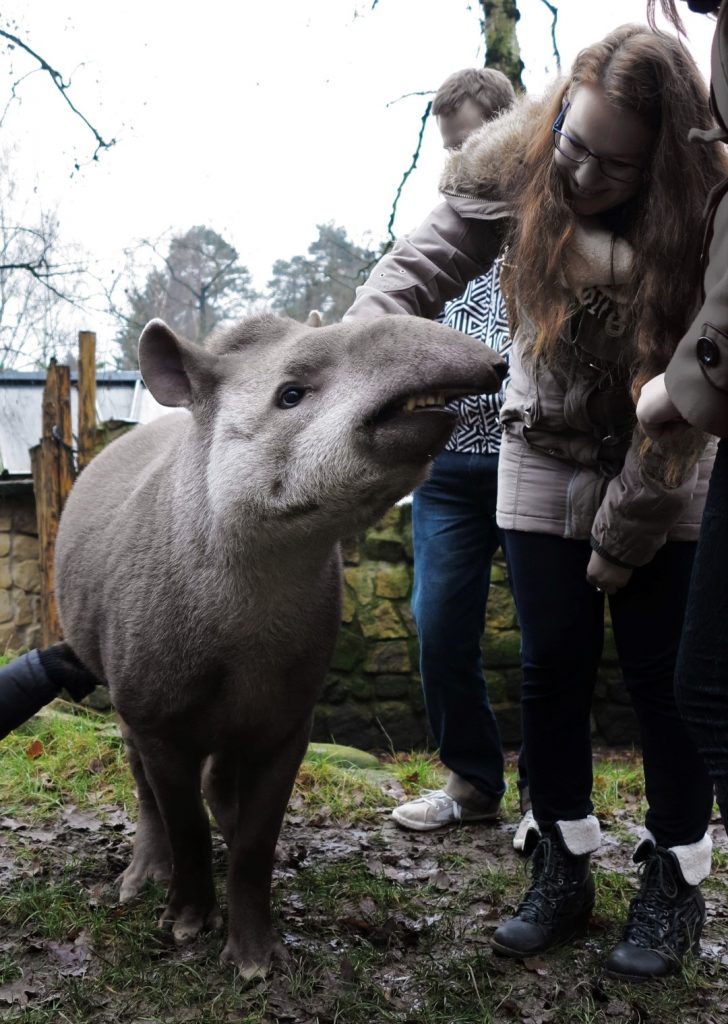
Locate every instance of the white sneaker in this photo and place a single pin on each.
(435, 809)
(527, 833)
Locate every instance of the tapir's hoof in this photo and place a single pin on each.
(253, 965)
(186, 924)
(135, 877)
(249, 967)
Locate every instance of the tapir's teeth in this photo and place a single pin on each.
(423, 401)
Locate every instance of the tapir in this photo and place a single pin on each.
(198, 573)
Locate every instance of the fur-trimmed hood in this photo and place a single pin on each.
(486, 161)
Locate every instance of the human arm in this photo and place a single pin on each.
(696, 379)
(435, 262)
(640, 509)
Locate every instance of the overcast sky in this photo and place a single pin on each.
(259, 118)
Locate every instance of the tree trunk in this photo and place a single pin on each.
(502, 51)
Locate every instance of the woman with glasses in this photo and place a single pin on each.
(595, 196)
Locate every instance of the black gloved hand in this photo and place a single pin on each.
(66, 672)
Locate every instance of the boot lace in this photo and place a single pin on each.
(550, 883)
(651, 912)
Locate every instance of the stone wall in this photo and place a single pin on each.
(372, 696)
(19, 569)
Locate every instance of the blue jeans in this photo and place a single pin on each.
(562, 629)
(702, 668)
(455, 537)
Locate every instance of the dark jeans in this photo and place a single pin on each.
(562, 629)
(455, 537)
(702, 668)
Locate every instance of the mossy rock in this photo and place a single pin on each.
(344, 757)
(497, 687)
(389, 657)
(384, 546)
(502, 649)
(349, 651)
(501, 612)
(392, 581)
(381, 622)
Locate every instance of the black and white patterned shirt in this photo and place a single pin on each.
(481, 313)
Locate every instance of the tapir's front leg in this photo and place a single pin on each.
(174, 776)
(263, 791)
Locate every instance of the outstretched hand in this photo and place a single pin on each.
(655, 411)
(606, 576)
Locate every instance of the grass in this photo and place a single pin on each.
(393, 930)
(338, 793)
(60, 759)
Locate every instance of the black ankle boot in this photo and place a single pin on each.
(665, 919)
(557, 905)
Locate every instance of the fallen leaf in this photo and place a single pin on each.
(36, 749)
(80, 820)
(617, 1008)
(536, 964)
(12, 824)
(17, 992)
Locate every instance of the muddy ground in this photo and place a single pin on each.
(378, 925)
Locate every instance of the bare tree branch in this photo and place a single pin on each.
(408, 95)
(14, 93)
(62, 87)
(405, 176)
(555, 17)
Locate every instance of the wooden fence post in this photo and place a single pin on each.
(86, 398)
(53, 474)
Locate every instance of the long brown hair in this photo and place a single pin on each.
(652, 74)
(671, 13)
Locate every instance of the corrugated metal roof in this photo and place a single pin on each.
(120, 395)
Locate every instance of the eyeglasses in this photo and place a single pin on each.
(618, 170)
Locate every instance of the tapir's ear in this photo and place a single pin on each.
(176, 372)
(314, 319)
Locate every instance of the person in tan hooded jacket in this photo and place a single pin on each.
(694, 389)
(581, 195)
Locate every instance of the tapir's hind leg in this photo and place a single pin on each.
(220, 788)
(174, 777)
(264, 787)
(152, 858)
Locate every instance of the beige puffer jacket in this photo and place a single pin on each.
(568, 464)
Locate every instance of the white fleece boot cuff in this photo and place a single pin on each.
(580, 836)
(694, 859)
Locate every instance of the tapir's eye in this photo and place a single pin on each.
(291, 396)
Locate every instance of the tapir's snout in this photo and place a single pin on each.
(418, 367)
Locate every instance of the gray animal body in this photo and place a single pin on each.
(198, 574)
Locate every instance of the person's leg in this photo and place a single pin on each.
(561, 619)
(647, 616)
(455, 537)
(666, 917)
(702, 666)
